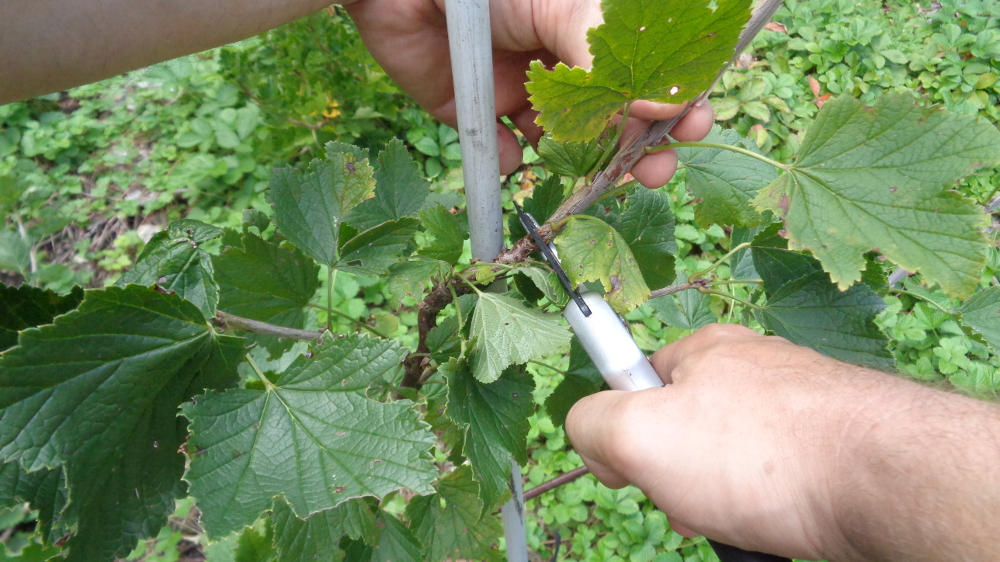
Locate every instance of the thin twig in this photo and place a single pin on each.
(228, 321)
(555, 482)
(692, 284)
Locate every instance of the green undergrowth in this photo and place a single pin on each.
(87, 176)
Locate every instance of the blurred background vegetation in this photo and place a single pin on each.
(89, 175)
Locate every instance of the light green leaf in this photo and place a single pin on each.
(316, 428)
(373, 251)
(27, 307)
(174, 261)
(875, 177)
(572, 159)
(591, 250)
(688, 310)
(725, 182)
(506, 332)
(314, 538)
(661, 51)
(495, 416)
(582, 379)
(96, 393)
(448, 234)
(265, 282)
(982, 314)
(400, 190)
(255, 544)
(309, 207)
(15, 252)
(408, 278)
(647, 226)
(804, 307)
(449, 525)
(547, 283)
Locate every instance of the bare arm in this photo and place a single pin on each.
(51, 45)
(772, 447)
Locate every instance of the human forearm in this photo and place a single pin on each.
(51, 45)
(922, 478)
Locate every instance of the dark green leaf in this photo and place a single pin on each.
(316, 428)
(573, 159)
(805, 308)
(44, 489)
(688, 310)
(725, 182)
(309, 207)
(591, 250)
(298, 540)
(373, 251)
(506, 333)
(173, 260)
(545, 199)
(496, 418)
(982, 314)
(661, 51)
(336, 147)
(455, 529)
(256, 219)
(396, 542)
(265, 282)
(582, 379)
(875, 177)
(448, 234)
(547, 283)
(647, 226)
(97, 393)
(400, 190)
(27, 307)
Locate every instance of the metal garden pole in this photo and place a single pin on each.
(472, 71)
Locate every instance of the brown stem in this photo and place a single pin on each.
(693, 284)
(556, 482)
(427, 312)
(228, 321)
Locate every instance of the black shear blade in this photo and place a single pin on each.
(530, 225)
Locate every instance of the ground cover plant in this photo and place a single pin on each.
(409, 375)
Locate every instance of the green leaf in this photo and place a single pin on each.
(875, 177)
(309, 207)
(495, 416)
(45, 490)
(263, 281)
(591, 250)
(725, 182)
(396, 542)
(15, 252)
(448, 234)
(805, 308)
(173, 260)
(373, 251)
(337, 147)
(982, 314)
(545, 199)
(26, 307)
(316, 428)
(572, 159)
(97, 392)
(688, 310)
(647, 226)
(547, 283)
(581, 380)
(400, 190)
(298, 540)
(255, 544)
(660, 51)
(506, 332)
(449, 525)
(408, 278)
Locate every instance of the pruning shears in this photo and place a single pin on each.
(605, 337)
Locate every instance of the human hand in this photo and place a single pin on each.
(742, 447)
(409, 39)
